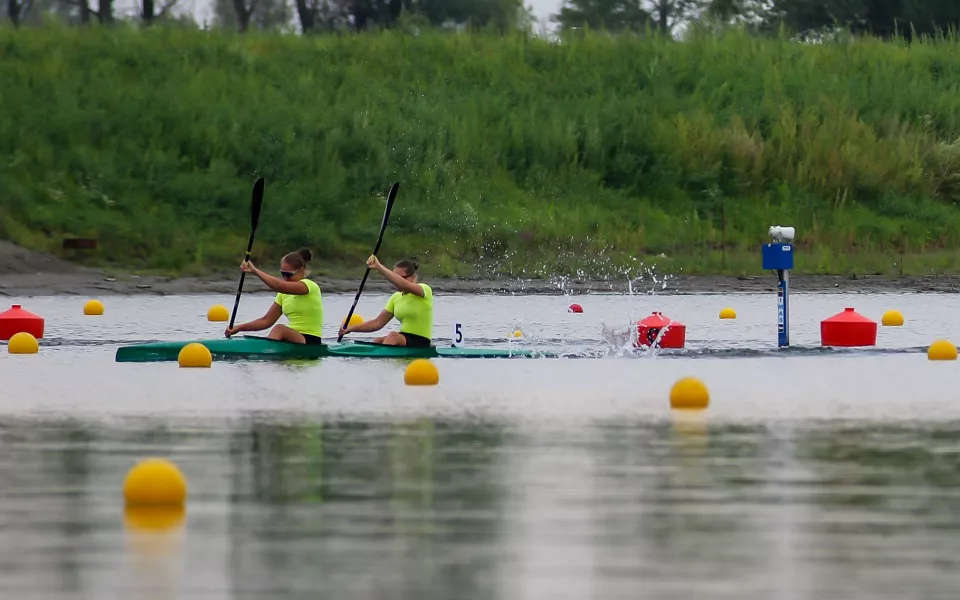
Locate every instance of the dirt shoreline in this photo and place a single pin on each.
(97, 284)
(29, 274)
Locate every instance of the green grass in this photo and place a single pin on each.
(515, 155)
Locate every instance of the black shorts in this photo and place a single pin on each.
(416, 341)
(312, 340)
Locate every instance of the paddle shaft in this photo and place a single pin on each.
(236, 301)
(255, 203)
(383, 228)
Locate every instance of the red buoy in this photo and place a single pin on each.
(848, 328)
(649, 328)
(16, 319)
(575, 308)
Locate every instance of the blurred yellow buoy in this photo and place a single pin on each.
(942, 350)
(218, 312)
(728, 313)
(892, 318)
(689, 394)
(93, 307)
(154, 537)
(517, 333)
(155, 482)
(195, 355)
(355, 319)
(153, 518)
(23, 343)
(421, 372)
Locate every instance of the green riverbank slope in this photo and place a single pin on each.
(515, 155)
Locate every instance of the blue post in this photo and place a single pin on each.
(778, 257)
(783, 308)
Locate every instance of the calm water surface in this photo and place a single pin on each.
(812, 474)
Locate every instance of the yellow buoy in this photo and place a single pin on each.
(421, 372)
(218, 312)
(942, 350)
(23, 343)
(728, 313)
(93, 308)
(195, 354)
(689, 394)
(155, 482)
(355, 319)
(892, 318)
(517, 333)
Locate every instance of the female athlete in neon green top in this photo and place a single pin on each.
(412, 305)
(297, 297)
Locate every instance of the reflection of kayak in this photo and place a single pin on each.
(253, 347)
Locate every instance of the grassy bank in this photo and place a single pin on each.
(515, 155)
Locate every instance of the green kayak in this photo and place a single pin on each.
(253, 347)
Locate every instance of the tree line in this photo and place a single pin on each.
(310, 16)
(883, 18)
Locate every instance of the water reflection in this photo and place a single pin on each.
(426, 507)
(154, 551)
(383, 508)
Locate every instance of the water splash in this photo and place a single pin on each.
(568, 265)
(529, 335)
(562, 282)
(640, 275)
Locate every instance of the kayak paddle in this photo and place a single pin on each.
(255, 203)
(383, 227)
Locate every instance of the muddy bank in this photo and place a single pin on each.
(92, 284)
(24, 273)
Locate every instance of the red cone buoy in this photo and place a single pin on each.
(848, 328)
(575, 308)
(16, 319)
(649, 328)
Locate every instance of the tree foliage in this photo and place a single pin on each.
(608, 15)
(884, 18)
(263, 15)
(314, 16)
(629, 15)
(385, 14)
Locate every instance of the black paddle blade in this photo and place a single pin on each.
(391, 197)
(386, 214)
(255, 204)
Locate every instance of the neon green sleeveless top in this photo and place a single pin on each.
(305, 312)
(414, 313)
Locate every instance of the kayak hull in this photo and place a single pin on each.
(261, 348)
